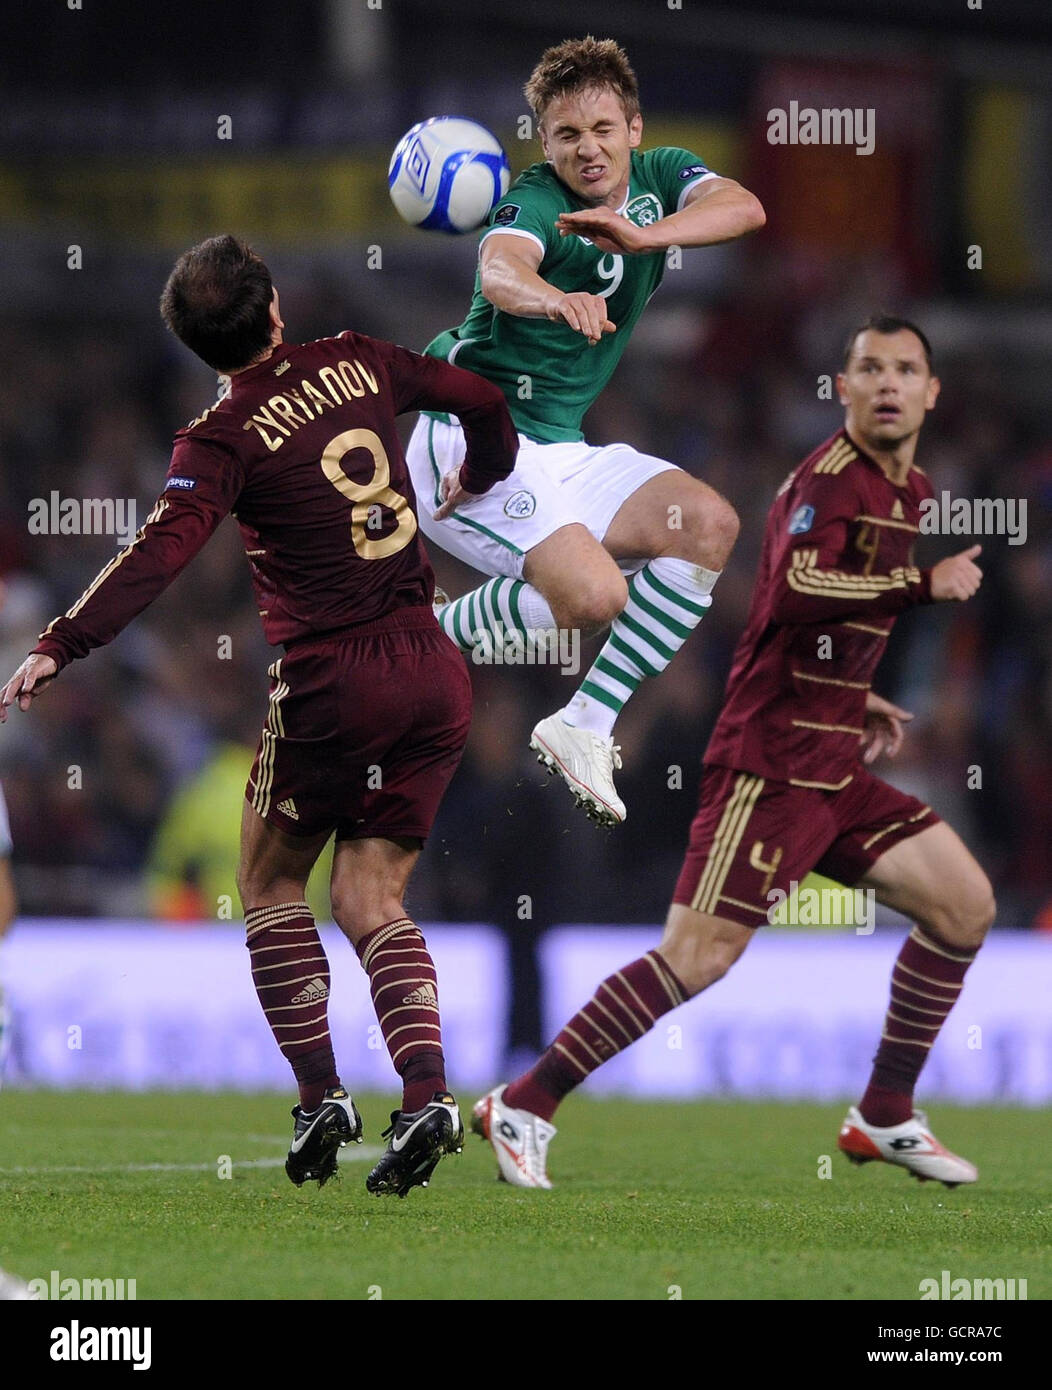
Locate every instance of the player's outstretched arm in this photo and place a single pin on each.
(715, 210)
(34, 676)
(508, 274)
(419, 382)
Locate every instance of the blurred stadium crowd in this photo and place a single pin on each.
(125, 783)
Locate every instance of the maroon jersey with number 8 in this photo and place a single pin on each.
(305, 453)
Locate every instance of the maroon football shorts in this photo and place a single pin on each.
(751, 836)
(365, 730)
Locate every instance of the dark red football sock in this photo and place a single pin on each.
(623, 1008)
(925, 983)
(291, 974)
(405, 995)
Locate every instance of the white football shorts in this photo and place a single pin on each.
(552, 485)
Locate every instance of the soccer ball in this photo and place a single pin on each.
(446, 174)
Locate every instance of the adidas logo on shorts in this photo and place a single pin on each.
(423, 994)
(288, 807)
(317, 989)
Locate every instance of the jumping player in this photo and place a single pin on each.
(369, 704)
(570, 257)
(784, 792)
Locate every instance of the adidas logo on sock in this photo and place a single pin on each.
(423, 994)
(317, 989)
(288, 807)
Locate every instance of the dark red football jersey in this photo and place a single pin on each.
(305, 453)
(837, 566)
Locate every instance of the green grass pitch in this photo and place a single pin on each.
(715, 1200)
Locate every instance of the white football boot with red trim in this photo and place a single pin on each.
(586, 763)
(519, 1138)
(911, 1145)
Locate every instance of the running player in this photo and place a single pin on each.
(369, 704)
(783, 790)
(569, 260)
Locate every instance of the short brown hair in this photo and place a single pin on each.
(217, 301)
(888, 324)
(576, 65)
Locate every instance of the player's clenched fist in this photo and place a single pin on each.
(957, 577)
(585, 313)
(33, 676)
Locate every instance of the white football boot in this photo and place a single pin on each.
(519, 1138)
(586, 763)
(911, 1145)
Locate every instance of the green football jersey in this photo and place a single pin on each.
(547, 371)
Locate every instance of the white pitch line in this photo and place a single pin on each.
(357, 1153)
(240, 1138)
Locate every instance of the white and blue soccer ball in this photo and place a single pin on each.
(446, 174)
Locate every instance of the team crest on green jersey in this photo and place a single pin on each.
(644, 210)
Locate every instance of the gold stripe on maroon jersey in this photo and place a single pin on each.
(865, 627)
(836, 458)
(831, 680)
(822, 786)
(725, 845)
(827, 728)
(898, 826)
(749, 907)
(273, 729)
(107, 570)
(805, 577)
(261, 791)
(806, 563)
(888, 521)
(726, 825)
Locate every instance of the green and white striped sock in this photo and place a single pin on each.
(495, 609)
(667, 599)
